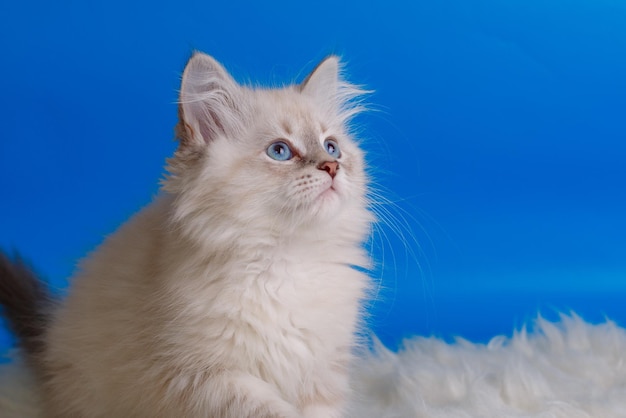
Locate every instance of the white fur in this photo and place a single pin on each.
(234, 294)
(569, 369)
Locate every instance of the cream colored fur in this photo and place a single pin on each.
(234, 294)
(568, 369)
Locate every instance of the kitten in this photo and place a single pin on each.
(233, 294)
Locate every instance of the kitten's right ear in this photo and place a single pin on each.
(323, 83)
(207, 103)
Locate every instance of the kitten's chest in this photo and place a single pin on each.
(298, 319)
(297, 295)
(285, 320)
(294, 299)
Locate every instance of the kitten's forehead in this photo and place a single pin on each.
(303, 126)
(293, 117)
(307, 134)
(306, 131)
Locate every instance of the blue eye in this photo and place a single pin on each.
(279, 151)
(332, 148)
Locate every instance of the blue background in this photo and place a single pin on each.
(499, 134)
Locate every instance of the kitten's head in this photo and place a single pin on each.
(278, 159)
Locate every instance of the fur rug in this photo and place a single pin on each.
(568, 369)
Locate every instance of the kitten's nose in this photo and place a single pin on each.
(330, 167)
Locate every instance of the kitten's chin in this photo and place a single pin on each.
(327, 203)
(328, 194)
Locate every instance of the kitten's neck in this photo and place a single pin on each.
(223, 229)
(229, 238)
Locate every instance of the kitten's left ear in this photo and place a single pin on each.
(323, 82)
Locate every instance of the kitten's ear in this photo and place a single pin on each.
(323, 83)
(208, 101)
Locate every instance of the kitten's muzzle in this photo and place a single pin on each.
(331, 167)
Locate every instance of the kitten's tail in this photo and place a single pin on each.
(26, 304)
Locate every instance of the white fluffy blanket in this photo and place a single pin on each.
(568, 369)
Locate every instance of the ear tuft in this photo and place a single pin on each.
(327, 88)
(208, 101)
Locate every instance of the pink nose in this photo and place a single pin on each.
(330, 167)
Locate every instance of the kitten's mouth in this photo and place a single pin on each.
(329, 191)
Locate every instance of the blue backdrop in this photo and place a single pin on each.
(500, 134)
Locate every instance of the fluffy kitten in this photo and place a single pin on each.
(233, 294)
